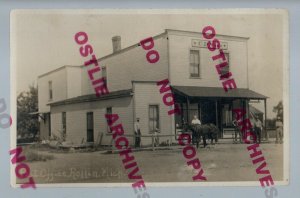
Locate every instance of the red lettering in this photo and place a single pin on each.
(111, 118)
(92, 61)
(195, 163)
(132, 173)
(208, 29)
(184, 136)
(117, 130)
(101, 90)
(166, 96)
(164, 85)
(176, 110)
(139, 184)
(185, 152)
(119, 140)
(249, 134)
(220, 66)
(260, 170)
(227, 75)
(81, 41)
(230, 83)
(30, 183)
(26, 171)
(254, 148)
(267, 180)
(150, 43)
(260, 159)
(92, 71)
(17, 158)
(152, 56)
(128, 166)
(246, 125)
(240, 113)
(127, 154)
(199, 176)
(215, 44)
(220, 55)
(86, 50)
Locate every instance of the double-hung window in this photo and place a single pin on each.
(153, 118)
(50, 90)
(194, 63)
(225, 70)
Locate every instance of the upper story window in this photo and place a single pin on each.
(50, 90)
(225, 70)
(108, 111)
(194, 63)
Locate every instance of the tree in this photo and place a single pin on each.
(278, 109)
(27, 103)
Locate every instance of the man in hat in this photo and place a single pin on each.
(258, 128)
(196, 120)
(137, 133)
(279, 130)
(195, 136)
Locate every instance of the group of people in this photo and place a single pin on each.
(258, 128)
(137, 135)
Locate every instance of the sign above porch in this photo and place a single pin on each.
(203, 44)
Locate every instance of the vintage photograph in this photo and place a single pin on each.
(175, 97)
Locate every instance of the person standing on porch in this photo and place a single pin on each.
(258, 128)
(279, 130)
(195, 137)
(196, 120)
(237, 131)
(137, 133)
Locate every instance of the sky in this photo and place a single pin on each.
(42, 41)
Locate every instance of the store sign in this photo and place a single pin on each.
(203, 44)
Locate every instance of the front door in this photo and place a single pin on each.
(90, 127)
(208, 112)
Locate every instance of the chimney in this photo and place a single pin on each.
(116, 42)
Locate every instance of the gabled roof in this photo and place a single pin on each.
(217, 92)
(93, 97)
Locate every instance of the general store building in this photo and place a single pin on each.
(68, 105)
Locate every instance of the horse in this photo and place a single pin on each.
(213, 135)
(206, 131)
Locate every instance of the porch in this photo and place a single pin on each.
(214, 105)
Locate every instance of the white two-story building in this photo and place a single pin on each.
(69, 106)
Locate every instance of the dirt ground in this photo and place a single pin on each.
(221, 162)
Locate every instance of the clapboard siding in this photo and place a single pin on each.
(77, 120)
(146, 94)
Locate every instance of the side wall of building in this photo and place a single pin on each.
(131, 65)
(146, 94)
(74, 82)
(76, 121)
(44, 126)
(59, 88)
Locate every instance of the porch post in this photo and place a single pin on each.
(217, 121)
(188, 109)
(266, 132)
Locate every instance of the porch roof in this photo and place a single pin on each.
(217, 92)
(93, 97)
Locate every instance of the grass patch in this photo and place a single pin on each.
(34, 156)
